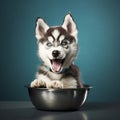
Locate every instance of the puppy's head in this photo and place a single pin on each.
(57, 45)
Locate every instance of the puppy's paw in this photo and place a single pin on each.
(56, 84)
(38, 83)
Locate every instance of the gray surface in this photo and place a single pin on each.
(90, 111)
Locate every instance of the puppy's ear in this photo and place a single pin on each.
(70, 26)
(41, 28)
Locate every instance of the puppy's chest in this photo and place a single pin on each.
(55, 76)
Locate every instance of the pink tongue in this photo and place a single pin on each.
(56, 65)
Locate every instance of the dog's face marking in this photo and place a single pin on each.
(55, 33)
(57, 45)
(50, 39)
(62, 37)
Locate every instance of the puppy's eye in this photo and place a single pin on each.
(64, 43)
(49, 44)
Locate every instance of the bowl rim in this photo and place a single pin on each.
(86, 87)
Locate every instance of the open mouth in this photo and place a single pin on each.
(57, 64)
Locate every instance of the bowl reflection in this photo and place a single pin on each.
(59, 115)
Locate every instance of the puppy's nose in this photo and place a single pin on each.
(55, 53)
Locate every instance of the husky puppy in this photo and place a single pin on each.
(57, 48)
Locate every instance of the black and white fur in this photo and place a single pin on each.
(57, 48)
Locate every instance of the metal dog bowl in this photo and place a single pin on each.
(58, 99)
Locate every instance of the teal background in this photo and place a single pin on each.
(98, 22)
